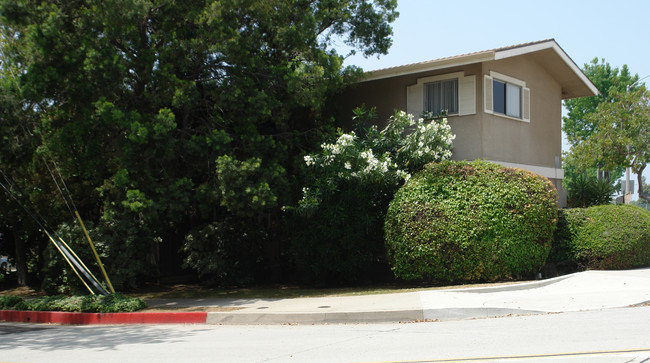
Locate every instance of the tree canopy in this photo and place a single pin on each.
(166, 116)
(608, 80)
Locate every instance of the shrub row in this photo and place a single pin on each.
(89, 304)
(478, 221)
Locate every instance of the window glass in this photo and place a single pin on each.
(499, 92)
(506, 98)
(513, 100)
(441, 96)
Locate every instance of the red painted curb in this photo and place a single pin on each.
(59, 317)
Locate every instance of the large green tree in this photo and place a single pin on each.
(169, 117)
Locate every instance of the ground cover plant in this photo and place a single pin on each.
(114, 303)
(606, 237)
(470, 221)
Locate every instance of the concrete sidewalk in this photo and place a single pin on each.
(590, 290)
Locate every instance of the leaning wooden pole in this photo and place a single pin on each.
(92, 246)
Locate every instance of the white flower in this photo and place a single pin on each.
(347, 165)
(346, 139)
(309, 160)
(403, 174)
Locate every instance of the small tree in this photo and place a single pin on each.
(578, 126)
(622, 137)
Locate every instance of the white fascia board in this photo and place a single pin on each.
(558, 50)
(428, 66)
(513, 52)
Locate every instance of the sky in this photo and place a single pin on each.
(618, 31)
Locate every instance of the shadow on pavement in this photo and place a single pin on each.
(93, 337)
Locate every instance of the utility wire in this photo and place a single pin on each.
(72, 259)
(58, 186)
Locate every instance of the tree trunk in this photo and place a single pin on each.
(639, 178)
(21, 260)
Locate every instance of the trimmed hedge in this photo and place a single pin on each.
(115, 303)
(607, 236)
(470, 221)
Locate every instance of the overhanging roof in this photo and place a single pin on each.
(547, 52)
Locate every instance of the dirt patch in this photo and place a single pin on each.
(22, 291)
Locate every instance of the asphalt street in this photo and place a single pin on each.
(607, 335)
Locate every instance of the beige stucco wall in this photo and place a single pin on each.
(537, 142)
(483, 135)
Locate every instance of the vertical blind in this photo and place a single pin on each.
(441, 96)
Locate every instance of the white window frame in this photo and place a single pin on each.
(466, 93)
(524, 105)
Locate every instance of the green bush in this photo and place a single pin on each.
(560, 260)
(224, 251)
(608, 236)
(470, 221)
(114, 303)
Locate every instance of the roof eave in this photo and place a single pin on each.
(429, 66)
(550, 44)
(490, 55)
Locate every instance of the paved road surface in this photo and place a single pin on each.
(609, 335)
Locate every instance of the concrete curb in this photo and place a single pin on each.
(452, 314)
(516, 287)
(339, 317)
(68, 318)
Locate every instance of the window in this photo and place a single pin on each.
(441, 97)
(507, 96)
(453, 93)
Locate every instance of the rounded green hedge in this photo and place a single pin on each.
(609, 236)
(470, 221)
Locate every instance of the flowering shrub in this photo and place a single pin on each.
(350, 182)
(385, 157)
